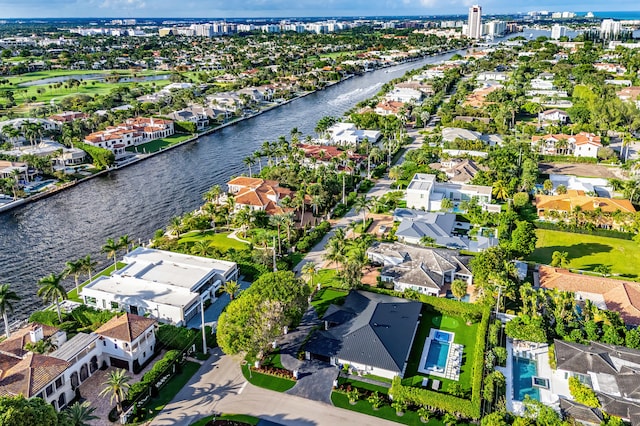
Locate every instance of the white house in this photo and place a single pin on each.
(348, 134)
(542, 84)
(165, 285)
(404, 94)
(128, 341)
(492, 76)
(425, 270)
(191, 115)
(554, 115)
(425, 193)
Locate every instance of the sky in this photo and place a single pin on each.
(287, 8)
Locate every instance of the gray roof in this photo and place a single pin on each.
(416, 224)
(620, 407)
(580, 412)
(595, 357)
(379, 332)
(74, 346)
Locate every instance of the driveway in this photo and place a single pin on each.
(315, 381)
(219, 387)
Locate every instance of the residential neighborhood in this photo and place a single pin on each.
(320, 221)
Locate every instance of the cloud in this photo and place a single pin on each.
(123, 4)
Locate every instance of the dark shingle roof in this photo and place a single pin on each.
(379, 335)
(580, 412)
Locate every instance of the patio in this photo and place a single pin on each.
(90, 391)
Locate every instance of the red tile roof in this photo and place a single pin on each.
(29, 376)
(619, 296)
(127, 327)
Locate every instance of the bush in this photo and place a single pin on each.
(90, 317)
(425, 397)
(173, 337)
(100, 157)
(599, 232)
(45, 317)
(152, 376)
(340, 210)
(184, 127)
(582, 393)
(313, 236)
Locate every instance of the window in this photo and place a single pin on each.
(144, 354)
(90, 300)
(115, 345)
(49, 390)
(115, 305)
(59, 382)
(104, 343)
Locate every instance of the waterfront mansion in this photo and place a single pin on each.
(133, 132)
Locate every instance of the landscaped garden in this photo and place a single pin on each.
(586, 252)
(219, 240)
(326, 297)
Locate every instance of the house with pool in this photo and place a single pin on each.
(371, 333)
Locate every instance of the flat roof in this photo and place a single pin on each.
(74, 346)
(422, 181)
(133, 291)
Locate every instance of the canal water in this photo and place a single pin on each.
(38, 238)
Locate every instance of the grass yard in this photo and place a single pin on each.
(464, 335)
(327, 278)
(325, 297)
(219, 240)
(234, 417)
(588, 251)
(267, 381)
(168, 392)
(73, 295)
(385, 412)
(159, 144)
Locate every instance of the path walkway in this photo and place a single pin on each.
(219, 387)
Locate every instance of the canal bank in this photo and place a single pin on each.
(38, 238)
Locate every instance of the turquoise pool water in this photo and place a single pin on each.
(523, 371)
(437, 355)
(35, 187)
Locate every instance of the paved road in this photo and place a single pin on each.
(219, 387)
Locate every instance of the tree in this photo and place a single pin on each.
(560, 259)
(362, 204)
(88, 266)
(561, 190)
(75, 269)
(213, 194)
(446, 204)
(116, 387)
(111, 248)
(249, 161)
(19, 411)
(500, 189)
(310, 269)
(125, 242)
(232, 288)
(427, 241)
(52, 290)
(547, 185)
(526, 328)
(520, 199)
(523, 239)
(80, 414)
(458, 289)
(605, 270)
(582, 393)
(7, 296)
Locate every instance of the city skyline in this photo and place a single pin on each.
(282, 8)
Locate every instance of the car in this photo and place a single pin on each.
(382, 229)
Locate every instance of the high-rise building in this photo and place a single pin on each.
(474, 23)
(558, 31)
(610, 28)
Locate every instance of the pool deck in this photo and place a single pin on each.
(540, 353)
(452, 368)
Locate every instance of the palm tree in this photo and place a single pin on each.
(111, 248)
(213, 194)
(232, 288)
(362, 204)
(6, 297)
(560, 258)
(52, 290)
(310, 269)
(249, 161)
(80, 414)
(201, 248)
(500, 190)
(277, 221)
(395, 173)
(75, 269)
(375, 155)
(458, 289)
(88, 266)
(116, 386)
(125, 242)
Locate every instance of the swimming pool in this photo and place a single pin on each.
(443, 336)
(38, 186)
(437, 355)
(523, 372)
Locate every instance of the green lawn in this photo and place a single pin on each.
(72, 294)
(588, 251)
(168, 391)
(159, 144)
(327, 278)
(325, 297)
(267, 381)
(235, 417)
(220, 240)
(385, 412)
(363, 385)
(464, 335)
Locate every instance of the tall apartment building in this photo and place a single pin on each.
(558, 31)
(610, 28)
(475, 22)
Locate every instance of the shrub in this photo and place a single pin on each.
(184, 127)
(582, 393)
(599, 232)
(174, 337)
(45, 317)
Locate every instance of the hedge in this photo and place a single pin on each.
(184, 127)
(567, 159)
(312, 237)
(152, 376)
(100, 157)
(174, 337)
(447, 402)
(598, 232)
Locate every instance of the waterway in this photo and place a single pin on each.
(38, 238)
